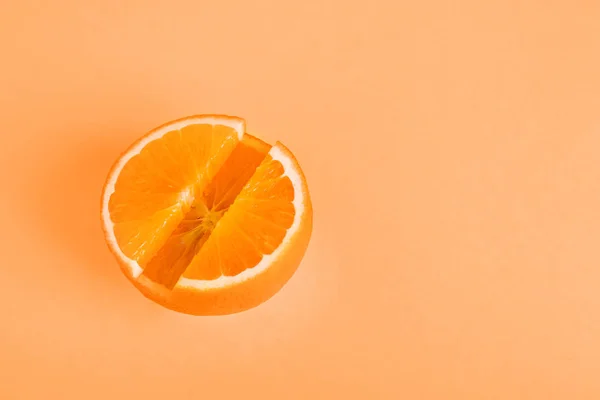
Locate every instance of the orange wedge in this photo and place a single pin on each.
(205, 219)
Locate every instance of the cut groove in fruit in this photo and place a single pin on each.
(205, 211)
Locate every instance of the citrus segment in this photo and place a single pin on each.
(139, 238)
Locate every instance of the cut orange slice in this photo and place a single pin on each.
(205, 219)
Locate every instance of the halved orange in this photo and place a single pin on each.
(206, 219)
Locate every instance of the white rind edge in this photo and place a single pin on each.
(291, 171)
(236, 123)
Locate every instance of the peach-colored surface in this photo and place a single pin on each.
(451, 149)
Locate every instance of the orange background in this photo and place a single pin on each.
(451, 149)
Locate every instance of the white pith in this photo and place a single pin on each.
(135, 269)
(291, 170)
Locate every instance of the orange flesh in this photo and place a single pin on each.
(146, 205)
(205, 211)
(237, 206)
(254, 226)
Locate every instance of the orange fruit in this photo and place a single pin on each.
(205, 219)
